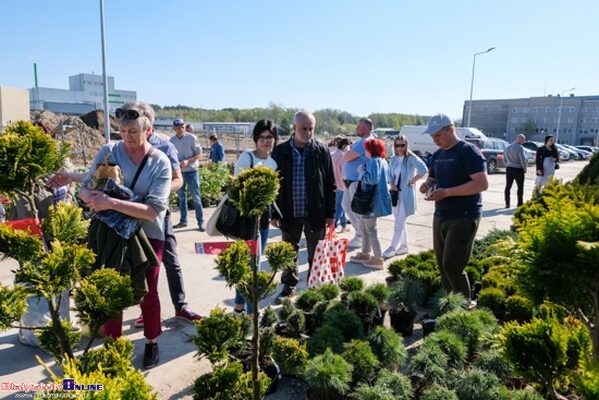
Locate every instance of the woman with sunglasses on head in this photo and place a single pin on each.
(265, 137)
(406, 169)
(147, 172)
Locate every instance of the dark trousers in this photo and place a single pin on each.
(291, 232)
(512, 174)
(452, 241)
(172, 266)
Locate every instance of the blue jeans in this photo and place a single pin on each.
(191, 179)
(239, 299)
(340, 217)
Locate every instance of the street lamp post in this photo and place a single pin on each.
(472, 81)
(559, 114)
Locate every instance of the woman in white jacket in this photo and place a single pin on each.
(405, 168)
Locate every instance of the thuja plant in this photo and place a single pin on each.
(252, 192)
(48, 267)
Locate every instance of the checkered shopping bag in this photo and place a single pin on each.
(329, 260)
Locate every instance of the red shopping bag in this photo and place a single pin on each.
(329, 260)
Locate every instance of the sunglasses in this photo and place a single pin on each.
(126, 114)
(400, 145)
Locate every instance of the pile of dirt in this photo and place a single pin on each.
(85, 140)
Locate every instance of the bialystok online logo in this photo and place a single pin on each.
(70, 384)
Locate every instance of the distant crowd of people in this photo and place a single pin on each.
(318, 184)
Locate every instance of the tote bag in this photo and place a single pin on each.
(329, 260)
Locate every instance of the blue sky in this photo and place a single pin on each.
(356, 56)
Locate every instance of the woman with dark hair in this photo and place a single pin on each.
(547, 157)
(375, 172)
(265, 138)
(405, 169)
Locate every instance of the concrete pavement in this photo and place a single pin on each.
(178, 368)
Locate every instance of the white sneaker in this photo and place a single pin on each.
(355, 242)
(390, 252)
(401, 251)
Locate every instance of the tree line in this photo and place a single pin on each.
(329, 120)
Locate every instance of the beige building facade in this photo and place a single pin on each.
(14, 105)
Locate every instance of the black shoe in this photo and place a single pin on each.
(180, 225)
(201, 228)
(287, 292)
(151, 355)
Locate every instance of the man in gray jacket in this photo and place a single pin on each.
(515, 163)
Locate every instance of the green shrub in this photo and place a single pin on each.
(327, 336)
(525, 394)
(450, 344)
(217, 334)
(269, 317)
(379, 291)
(399, 385)
(287, 308)
(12, 305)
(350, 284)
(266, 339)
(296, 324)
(365, 392)
(328, 376)
(228, 382)
(329, 291)
(587, 379)
(114, 359)
(482, 245)
(474, 384)
(420, 267)
(493, 299)
(495, 363)
(405, 295)
(519, 308)
(290, 354)
(213, 180)
(308, 299)
(362, 304)
(388, 346)
(432, 362)
(438, 392)
(49, 341)
(443, 302)
(359, 354)
(127, 385)
(546, 350)
(346, 323)
(469, 326)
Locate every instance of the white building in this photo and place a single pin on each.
(85, 94)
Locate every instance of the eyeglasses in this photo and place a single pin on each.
(126, 114)
(265, 138)
(400, 145)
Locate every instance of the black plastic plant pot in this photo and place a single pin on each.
(379, 317)
(273, 371)
(428, 326)
(403, 322)
(390, 280)
(310, 324)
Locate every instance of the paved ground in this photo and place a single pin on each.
(179, 367)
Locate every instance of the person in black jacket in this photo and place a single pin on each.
(546, 161)
(307, 195)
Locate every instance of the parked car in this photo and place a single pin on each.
(492, 148)
(592, 149)
(584, 155)
(574, 155)
(563, 154)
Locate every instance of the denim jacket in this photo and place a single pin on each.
(376, 173)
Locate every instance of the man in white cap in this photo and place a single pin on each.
(457, 176)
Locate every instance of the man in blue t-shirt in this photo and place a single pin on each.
(457, 176)
(354, 160)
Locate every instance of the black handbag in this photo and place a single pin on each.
(363, 200)
(232, 224)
